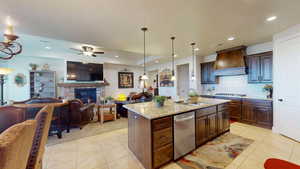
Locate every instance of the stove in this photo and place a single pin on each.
(230, 94)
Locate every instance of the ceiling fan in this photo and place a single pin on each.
(87, 51)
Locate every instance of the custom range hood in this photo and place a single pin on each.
(231, 62)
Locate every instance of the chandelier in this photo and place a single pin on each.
(9, 47)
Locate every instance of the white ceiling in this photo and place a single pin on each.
(115, 24)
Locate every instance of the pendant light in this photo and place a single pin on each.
(193, 57)
(173, 58)
(144, 77)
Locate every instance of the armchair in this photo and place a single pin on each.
(43, 119)
(10, 115)
(15, 144)
(80, 114)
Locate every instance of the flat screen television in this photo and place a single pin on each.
(84, 72)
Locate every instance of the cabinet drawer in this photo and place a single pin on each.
(162, 138)
(222, 107)
(257, 102)
(162, 123)
(206, 111)
(163, 155)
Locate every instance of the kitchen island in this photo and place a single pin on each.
(158, 136)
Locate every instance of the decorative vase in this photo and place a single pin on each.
(159, 104)
(193, 99)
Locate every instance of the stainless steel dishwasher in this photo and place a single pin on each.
(184, 134)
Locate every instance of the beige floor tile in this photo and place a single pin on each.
(125, 163)
(114, 154)
(171, 166)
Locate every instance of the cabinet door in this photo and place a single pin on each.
(235, 111)
(207, 73)
(201, 130)
(211, 73)
(266, 68)
(253, 68)
(204, 73)
(248, 113)
(264, 116)
(212, 126)
(131, 131)
(226, 122)
(220, 122)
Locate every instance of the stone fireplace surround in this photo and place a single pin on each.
(67, 90)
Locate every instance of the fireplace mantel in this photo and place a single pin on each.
(77, 84)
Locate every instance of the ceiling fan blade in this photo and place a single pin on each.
(99, 52)
(79, 50)
(94, 55)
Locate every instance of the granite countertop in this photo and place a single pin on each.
(242, 97)
(150, 111)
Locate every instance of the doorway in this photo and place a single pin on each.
(183, 80)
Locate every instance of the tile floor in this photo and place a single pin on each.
(110, 151)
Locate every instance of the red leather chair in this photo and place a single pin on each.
(10, 115)
(274, 163)
(80, 114)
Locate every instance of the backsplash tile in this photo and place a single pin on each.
(235, 84)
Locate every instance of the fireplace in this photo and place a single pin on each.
(86, 94)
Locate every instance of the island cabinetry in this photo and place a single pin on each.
(206, 124)
(223, 118)
(162, 137)
(150, 140)
(211, 122)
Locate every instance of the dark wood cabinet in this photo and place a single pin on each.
(212, 126)
(201, 130)
(210, 122)
(248, 113)
(207, 73)
(258, 112)
(260, 68)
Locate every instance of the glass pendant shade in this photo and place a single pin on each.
(144, 77)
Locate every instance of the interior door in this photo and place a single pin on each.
(183, 81)
(287, 86)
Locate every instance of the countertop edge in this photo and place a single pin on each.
(175, 113)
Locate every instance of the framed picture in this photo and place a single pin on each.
(125, 80)
(165, 78)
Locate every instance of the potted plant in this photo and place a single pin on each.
(269, 88)
(159, 101)
(193, 95)
(33, 66)
(109, 99)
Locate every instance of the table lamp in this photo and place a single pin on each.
(3, 72)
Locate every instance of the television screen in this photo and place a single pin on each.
(84, 72)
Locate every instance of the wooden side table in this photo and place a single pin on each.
(106, 112)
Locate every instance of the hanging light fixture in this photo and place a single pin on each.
(193, 57)
(9, 47)
(173, 56)
(144, 77)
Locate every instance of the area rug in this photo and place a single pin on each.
(216, 154)
(92, 129)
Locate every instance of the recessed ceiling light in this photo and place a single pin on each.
(157, 61)
(175, 55)
(272, 18)
(196, 49)
(231, 38)
(48, 47)
(116, 56)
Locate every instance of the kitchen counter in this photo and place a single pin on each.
(150, 111)
(242, 97)
(158, 136)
